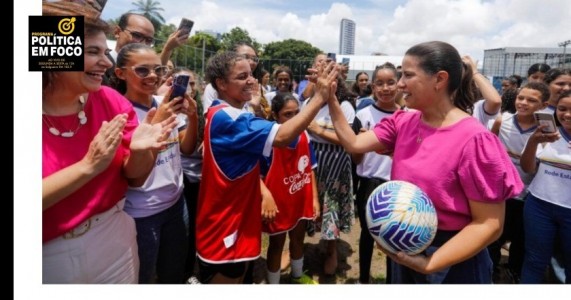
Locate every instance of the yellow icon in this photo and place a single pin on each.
(66, 26)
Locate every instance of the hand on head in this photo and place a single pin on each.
(466, 59)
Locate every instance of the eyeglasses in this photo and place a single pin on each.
(140, 38)
(252, 58)
(145, 71)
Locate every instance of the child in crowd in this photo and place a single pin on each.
(158, 205)
(514, 131)
(291, 181)
(373, 169)
(547, 210)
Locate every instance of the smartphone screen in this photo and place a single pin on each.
(185, 26)
(179, 83)
(331, 57)
(546, 119)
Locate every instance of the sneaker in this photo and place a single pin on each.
(304, 279)
(193, 280)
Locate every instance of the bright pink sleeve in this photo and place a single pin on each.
(486, 172)
(386, 130)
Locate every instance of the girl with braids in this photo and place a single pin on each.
(373, 169)
(439, 147)
(291, 180)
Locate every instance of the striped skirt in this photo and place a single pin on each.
(335, 188)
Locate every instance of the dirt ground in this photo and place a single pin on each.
(348, 261)
(347, 265)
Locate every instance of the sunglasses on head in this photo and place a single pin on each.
(140, 38)
(145, 71)
(252, 58)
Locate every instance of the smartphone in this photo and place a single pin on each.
(179, 84)
(331, 57)
(185, 26)
(100, 4)
(544, 118)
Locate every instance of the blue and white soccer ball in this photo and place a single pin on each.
(401, 217)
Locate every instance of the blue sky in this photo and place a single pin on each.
(384, 26)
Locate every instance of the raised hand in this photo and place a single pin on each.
(467, 60)
(152, 136)
(256, 94)
(327, 80)
(104, 145)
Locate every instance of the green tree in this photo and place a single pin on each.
(191, 54)
(297, 55)
(150, 9)
(238, 34)
(112, 24)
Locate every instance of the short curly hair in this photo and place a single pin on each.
(220, 65)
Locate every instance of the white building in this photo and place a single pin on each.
(347, 37)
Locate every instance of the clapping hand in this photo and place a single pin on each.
(104, 145)
(152, 136)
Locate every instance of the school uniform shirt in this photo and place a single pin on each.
(482, 115)
(323, 118)
(552, 182)
(270, 96)
(228, 220)
(373, 165)
(164, 186)
(514, 139)
(290, 181)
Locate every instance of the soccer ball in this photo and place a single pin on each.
(401, 217)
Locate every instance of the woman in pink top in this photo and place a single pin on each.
(92, 146)
(460, 165)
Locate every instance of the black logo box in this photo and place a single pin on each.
(50, 49)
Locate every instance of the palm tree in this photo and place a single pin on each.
(150, 9)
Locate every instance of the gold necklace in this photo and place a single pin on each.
(82, 119)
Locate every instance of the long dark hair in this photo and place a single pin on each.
(355, 86)
(279, 101)
(257, 72)
(539, 67)
(343, 93)
(438, 56)
(565, 94)
(122, 59)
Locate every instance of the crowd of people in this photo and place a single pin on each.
(141, 187)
